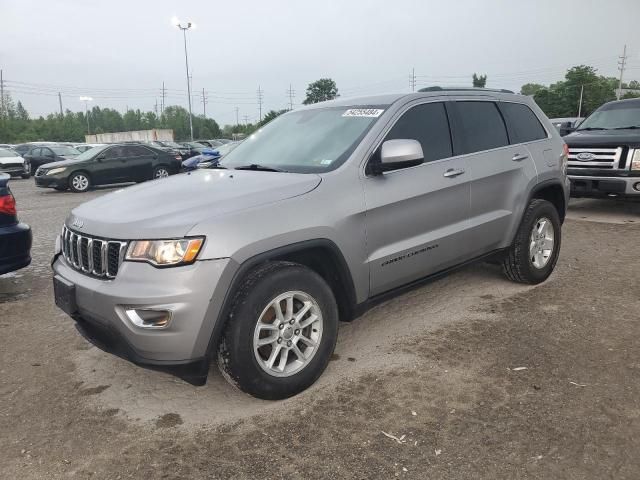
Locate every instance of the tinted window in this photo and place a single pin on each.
(523, 124)
(46, 152)
(483, 126)
(115, 152)
(134, 151)
(427, 124)
(35, 152)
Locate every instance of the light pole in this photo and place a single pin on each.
(86, 101)
(184, 29)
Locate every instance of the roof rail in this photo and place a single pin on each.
(463, 89)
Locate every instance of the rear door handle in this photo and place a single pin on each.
(453, 173)
(518, 157)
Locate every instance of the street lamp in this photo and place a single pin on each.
(86, 101)
(175, 21)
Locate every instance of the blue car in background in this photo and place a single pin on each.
(208, 157)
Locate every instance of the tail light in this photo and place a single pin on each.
(8, 205)
(564, 159)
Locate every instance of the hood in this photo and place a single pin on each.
(605, 138)
(16, 159)
(170, 207)
(62, 163)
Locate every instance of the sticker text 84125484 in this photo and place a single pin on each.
(363, 112)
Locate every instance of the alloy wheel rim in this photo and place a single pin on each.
(541, 243)
(288, 334)
(161, 173)
(80, 182)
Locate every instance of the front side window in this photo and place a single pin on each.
(65, 151)
(483, 127)
(428, 124)
(115, 152)
(306, 141)
(523, 124)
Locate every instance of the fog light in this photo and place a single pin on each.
(148, 318)
(636, 186)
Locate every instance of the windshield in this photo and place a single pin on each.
(226, 148)
(620, 115)
(64, 150)
(92, 152)
(305, 141)
(7, 153)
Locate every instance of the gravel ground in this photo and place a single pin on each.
(474, 376)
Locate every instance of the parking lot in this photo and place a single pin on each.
(470, 376)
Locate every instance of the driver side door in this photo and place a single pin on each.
(417, 218)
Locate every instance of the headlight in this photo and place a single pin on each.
(635, 161)
(53, 171)
(165, 253)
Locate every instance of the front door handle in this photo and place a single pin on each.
(453, 173)
(518, 157)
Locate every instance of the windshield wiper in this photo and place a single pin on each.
(257, 167)
(630, 127)
(592, 128)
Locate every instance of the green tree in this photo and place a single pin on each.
(531, 88)
(479, 81)
(321, 91)
(270, 115)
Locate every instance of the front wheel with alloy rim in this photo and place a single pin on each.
(160, 172)
(79, 182)
(281, 331)
(534, 252)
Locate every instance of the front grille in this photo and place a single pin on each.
(93, 256)
(606, 158)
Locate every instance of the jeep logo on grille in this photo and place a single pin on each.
(585, 156)
(77, 223)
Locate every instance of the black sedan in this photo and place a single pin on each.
(41, 154)
(15, 237)
(108, 165)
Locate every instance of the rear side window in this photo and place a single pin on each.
(483, 127)
(427, 124)
(522, 123)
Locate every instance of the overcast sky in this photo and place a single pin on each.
(120, 52)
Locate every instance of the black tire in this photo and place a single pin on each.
(236, 356)
(159, 172)
(75, 186)
(518, 265)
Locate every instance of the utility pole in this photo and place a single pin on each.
(412, 80)
(162, 104)
(60, 102)
(580, 103)
(621, 65)
(155, 108)
(246, 119)
(291, 93)
(186, 64)
(260, 97)
(1, 95)
(237, 111)
(204, 103)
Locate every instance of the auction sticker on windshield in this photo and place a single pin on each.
(363, 112)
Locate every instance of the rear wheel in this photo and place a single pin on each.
(534, 253)
(160, 172)
(281, 331)
(79, 182)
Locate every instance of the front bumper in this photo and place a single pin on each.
(594, 186)
(15, 247)
(186, 291)
(46, 181)
(12, 168)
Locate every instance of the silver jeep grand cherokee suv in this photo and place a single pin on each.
(311, 220)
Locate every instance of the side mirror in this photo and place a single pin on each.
(396, 154)
(566, 128)
(100, 158)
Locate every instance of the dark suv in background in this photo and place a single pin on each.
(15, 237)
(106, 165)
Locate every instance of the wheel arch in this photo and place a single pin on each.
(553, 192)
(320, 255)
